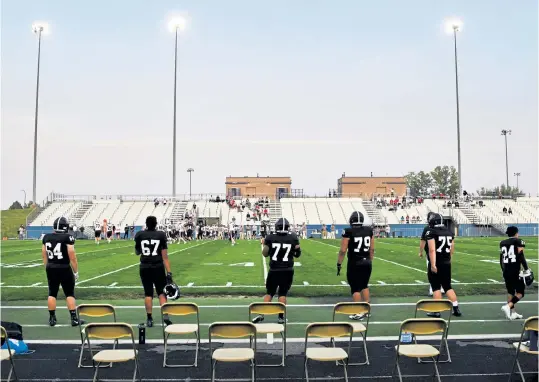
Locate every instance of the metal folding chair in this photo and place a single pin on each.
(112, 331)
(181, 309)
(270, 308)
(420, 326)
(235, 354)
(349, 308)
(436, 306)
(7, 354)
(530, 324)
(328, 330)
(94, 311)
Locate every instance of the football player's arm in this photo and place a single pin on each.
(371, 254)
(342, 251)
(138, 247)
(44, 254)
(73, 258)
(522, 258)
(166, 262)
(422, 243)
(432, 254)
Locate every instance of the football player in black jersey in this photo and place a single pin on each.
(511, 260)
(60, 260)
(358, 242)
(281, 247)
(440, 247)
(151, 246)
(263, 233)
(422, 247)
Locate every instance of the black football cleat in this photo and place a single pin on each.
(149, 322)
(167, 321)
(434, 314)
(52, 320)
(456, 311)
(76, 322)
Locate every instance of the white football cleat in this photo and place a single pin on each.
(507, 311)
(515, 316)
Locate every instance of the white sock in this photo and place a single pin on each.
(455, 303)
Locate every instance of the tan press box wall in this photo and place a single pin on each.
(258, 186)
(367, 186)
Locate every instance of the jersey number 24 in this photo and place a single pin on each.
(509, 254)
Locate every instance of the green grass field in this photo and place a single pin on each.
(223, 280)
(110, 271)
(11, 220)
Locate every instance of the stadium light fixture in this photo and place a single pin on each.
(40, 29)
(453, 25)
(178, 23)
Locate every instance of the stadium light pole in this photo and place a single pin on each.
(39, 29)
(190, 171)
(455, 26)
(24, 205)
(517, 174)
(176, 25)
(505, 133)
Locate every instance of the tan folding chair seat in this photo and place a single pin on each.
(349, 308)
(240, 354)
(531, 323)
(112, 331)
(7, 354)
(180, 309)
(93, 311)
(329, 330)
(436, 306)
(420, 327)
(270, 308)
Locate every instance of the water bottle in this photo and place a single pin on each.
(406, 338)
(141, 334)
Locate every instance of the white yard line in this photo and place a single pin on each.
(288, 305)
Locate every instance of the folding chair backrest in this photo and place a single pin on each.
(96, 310)
(267, 308)
(109, 331)
(351, 308)
(232, 329)
(434, 306)
(532, 323)
(329, 329)
(179, 309)
(424, 326)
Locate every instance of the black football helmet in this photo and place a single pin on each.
(172, 291)
(357, 218)
(429, 215)
(282, 225)
(527, 277)
(60, 224)
(436, 220)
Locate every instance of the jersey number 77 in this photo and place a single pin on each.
(277, 248)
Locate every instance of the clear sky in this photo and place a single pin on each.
(303, 88)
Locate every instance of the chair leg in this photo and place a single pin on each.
(436, 369)
(253, 368)
(96, 367)
(447, 349)
(213, 364)
(306, 371)
(345, 371)
(513, 368)
(165, 352)
(520, 371)
(12, 370)
(398, 369)
(9, 375)
(284, 348)
(197, 347)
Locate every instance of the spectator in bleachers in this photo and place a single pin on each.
(407, 219)
(510, 211)
(155, 202)
(457, 205)
(164, 202)
(402, 219)
(481, 204)
(266, 212)
(504, 210)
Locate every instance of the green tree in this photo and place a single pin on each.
(496, 191)
(16, 206)
(445, 180)
(420, 183)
